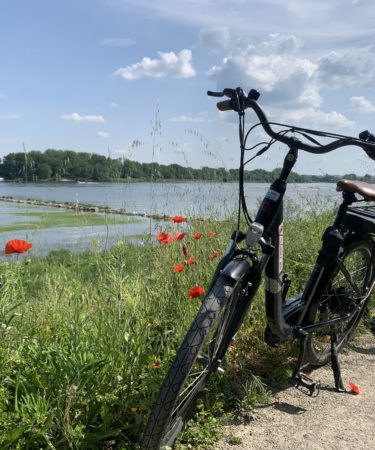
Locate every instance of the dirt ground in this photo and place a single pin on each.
(330, 421)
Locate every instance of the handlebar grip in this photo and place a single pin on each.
(215, 94)
(225, 105)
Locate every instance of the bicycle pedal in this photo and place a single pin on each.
(305, 384)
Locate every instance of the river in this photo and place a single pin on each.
(216, 200)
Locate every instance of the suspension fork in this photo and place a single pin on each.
(249, 284)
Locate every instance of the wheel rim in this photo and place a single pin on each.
(341, 297)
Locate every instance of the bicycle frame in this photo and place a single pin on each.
(286, 318)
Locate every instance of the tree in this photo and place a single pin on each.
(43, 171)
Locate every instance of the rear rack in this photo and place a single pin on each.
(361, 218)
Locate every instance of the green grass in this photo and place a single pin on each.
(85, 340)
(64, 219)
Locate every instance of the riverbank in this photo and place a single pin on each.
(88, 338)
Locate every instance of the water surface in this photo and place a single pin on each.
(216, 200)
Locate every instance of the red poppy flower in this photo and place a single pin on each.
(197, 235)
(185, 251)
(196, 291)
(354, 388)
(178, 267)
(179, 236)
(17, 246)
(178, 219)
(164, 238)
(191, 261)
(214, 255)
(154, 364)
(212, 234)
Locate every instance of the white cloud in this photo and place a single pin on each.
(10, 116)
(168, 65)
(75, 117)
(189, 119)
(114, 105)
(214, 37)
(355, 67)
(316, 118)
(362, 104)
(290, 83)
(118, 42)
(319, 21)
(102, 134)
(271, 66)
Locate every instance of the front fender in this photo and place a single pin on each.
(235, 269)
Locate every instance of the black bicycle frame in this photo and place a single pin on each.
(298, 309)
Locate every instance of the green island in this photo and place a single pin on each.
(52, 219)
(67, 165)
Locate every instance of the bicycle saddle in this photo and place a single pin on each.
(367, 190)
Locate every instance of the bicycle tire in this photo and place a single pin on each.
(339, 297)
(171, 409)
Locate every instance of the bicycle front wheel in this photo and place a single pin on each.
(348, 289)
(197, 358)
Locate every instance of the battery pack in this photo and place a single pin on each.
(361, 218)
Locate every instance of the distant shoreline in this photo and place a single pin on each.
(167, 181)
(67, 166)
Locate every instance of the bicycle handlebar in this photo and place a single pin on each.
(239, 102)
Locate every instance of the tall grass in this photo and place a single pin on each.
(86, 339)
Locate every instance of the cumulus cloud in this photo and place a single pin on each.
(290, 84)
(271, 66)
(214, 37)
(168, 65)
(354, 67)
(362, 104)
(117, 42)
(189, 119)
(75, 117)
(102, 134)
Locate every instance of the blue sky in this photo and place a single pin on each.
(99, 75)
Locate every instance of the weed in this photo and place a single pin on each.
(232, 439)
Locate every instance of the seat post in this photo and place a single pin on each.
(348, 199)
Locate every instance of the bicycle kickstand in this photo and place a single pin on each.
(339, 385)
(301, 381)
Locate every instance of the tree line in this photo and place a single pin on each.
(67, 165)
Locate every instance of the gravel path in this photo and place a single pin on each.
(330, 421)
